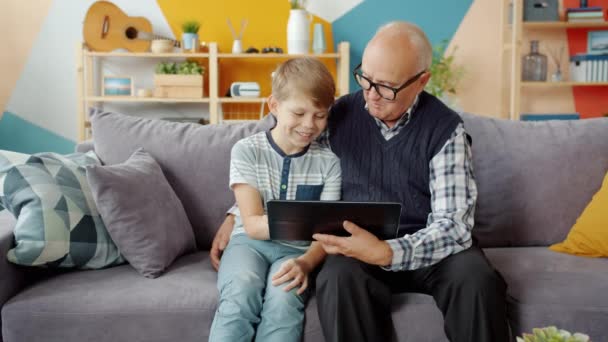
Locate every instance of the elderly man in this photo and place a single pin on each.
(398, 143)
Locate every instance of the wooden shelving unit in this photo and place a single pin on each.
(514, 35)
(562, 24)
(86, 61)
(562, 84)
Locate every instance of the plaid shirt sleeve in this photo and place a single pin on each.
(453, 197)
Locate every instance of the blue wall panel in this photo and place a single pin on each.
(439, 19)
(22, 136)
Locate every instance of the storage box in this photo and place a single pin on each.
(541, 10)
(178, 86)
(589, 68)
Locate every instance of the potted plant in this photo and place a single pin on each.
(190, 35)
(552, 334)
(445, 75)
(178, 80)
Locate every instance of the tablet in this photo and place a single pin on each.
(299, 220)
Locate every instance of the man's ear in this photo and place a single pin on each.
(273, 104)
(423, 80)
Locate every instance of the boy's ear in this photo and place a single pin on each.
(273, 104)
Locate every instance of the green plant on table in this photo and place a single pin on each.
(552, 334)
(297, 4)
(191, 26)
(184, 68)
(445, 75)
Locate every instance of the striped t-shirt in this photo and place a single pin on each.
(312, 174)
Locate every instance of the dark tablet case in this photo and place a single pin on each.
(299, 220)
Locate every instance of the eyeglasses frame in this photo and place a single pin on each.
(376, 85)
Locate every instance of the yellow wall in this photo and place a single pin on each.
(267, 23)
(20, 22)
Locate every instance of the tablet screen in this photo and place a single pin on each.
(299, 220)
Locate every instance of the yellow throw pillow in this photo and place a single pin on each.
(589, 236)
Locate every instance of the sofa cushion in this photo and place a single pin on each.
(143, 215)
(550, 288)
(534, 178)
(58, 224)
(589, 236)
(117, 304)
(194, 158)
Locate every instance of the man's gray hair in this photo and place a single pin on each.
(416, 36)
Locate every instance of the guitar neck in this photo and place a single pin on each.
(149, 36)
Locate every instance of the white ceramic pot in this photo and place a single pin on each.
(189, 41)
(298, 32)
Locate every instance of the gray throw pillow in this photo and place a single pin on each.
(58, 224)
(534, 178)
(194, 158)
(142, 213)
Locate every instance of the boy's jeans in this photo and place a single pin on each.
(249, 303)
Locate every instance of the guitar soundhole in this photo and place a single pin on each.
(131, 33)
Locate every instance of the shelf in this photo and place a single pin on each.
(242, 99)
(563, 24)
(147, 54)
(562, 84)
(143, 99)
(90, 66)
(276, 55)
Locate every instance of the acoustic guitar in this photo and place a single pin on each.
(106, 27)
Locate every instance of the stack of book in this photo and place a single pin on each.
(585, 14)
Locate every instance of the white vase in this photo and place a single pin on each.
(298, 32)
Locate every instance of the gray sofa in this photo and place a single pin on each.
(534, 180)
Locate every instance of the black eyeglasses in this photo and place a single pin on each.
(386, 92)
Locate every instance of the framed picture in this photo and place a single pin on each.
(597, 42)
(117, 86)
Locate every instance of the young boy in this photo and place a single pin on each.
(262, 282)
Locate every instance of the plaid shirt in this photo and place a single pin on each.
(453, 197)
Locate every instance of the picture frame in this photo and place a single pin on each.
(597, 42)
(117, 86)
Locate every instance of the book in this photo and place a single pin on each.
(584, 9)
(586, 15)
(586, 20)
(543, 117)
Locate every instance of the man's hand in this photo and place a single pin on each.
(361, 245)
(220, 241)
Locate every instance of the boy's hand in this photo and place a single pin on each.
(292, 269)
(220, 241)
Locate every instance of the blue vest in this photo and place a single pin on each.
(397, 170)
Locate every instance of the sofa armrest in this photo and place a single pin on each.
(13, 278)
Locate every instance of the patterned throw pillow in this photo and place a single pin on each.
(57, 221)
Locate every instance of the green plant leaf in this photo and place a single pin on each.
(191, 26)
(445, 75)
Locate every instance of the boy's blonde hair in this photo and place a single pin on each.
(304, 76)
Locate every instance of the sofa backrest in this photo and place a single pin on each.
(195, 159)
(534, 178)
